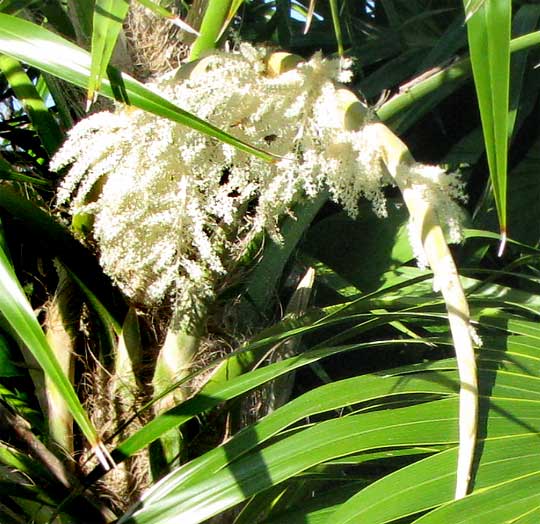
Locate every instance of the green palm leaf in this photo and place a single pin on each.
(488, 29)
(509, 414)
(471, 6)
(17, 311)
(42, 120)
(337, 26)
(212, 26)
(53, 54)
(395, 496)
(109, 16)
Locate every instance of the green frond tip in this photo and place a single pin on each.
(489, 34)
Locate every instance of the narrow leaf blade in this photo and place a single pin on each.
(43, 122)
(489, 42)
(108, 18)
(55, 55)
(15, 308)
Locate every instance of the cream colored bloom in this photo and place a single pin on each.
(442, 191)
(173, 203)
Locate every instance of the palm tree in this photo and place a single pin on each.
(314, 378)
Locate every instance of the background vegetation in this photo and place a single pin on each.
(334, 400)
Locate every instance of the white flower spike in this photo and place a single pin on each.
(172, 207)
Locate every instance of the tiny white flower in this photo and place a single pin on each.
(172, 206)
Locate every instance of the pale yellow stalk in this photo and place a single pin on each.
(424, 219)
(397, 160)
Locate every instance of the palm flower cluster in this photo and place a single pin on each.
(172, 207)
(442, 190)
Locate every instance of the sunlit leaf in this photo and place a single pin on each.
(42, 120)
(214, 20)
(109, 16)
(489, 43)
(246, 465)
(235, 5)
(471, 6)
(53, 54)
(15, 308)
(337, 25)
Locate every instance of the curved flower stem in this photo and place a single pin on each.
(398, 159)
(445, 273)
(424, 219)
(401, 167)
(399, 163)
